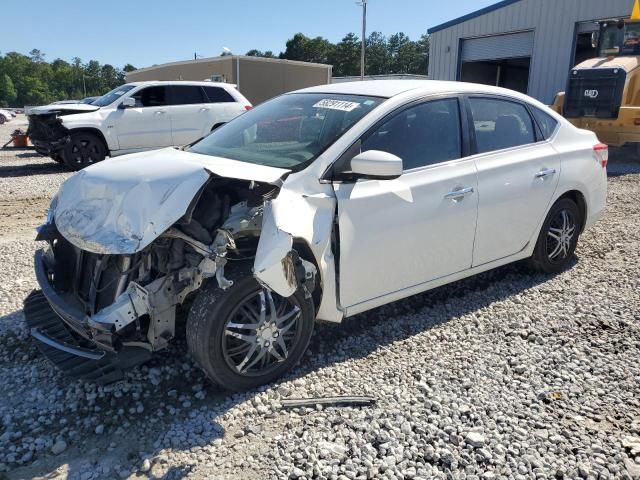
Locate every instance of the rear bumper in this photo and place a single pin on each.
(62, 334)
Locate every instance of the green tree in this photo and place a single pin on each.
(345, 57)
(8, 93)
(254, 53)
(305, 49)
(377, 54)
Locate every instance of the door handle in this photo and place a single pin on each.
(204, 109)
(158, 112)
(545, 172)
(459, 194)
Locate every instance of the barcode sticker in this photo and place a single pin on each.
(337, 105)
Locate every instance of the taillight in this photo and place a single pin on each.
(248, 107)
(602, 152)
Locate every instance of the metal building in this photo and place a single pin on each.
(257, 78)
(525, 45)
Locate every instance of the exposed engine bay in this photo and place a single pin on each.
(132, 299)
(47, 133)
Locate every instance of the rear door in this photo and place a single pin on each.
(146, 125)
(189, 113)
(222, 106)
(518, 171)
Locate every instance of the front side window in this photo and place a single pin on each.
(289, 131)
(422, 135)
(500, 124)
(151, 97)
(186, 94)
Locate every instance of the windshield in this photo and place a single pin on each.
(624, 36)
(289, 131)
(112, 96)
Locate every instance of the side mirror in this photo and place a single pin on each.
(127, 102)
(595, 38)
(376, 164)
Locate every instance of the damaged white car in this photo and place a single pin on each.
(317, 205)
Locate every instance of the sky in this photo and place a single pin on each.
(148, 32)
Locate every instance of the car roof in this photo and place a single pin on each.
(391, 88)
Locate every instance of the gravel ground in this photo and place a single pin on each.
(504, 375)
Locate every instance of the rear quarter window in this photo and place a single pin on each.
(546, 122)
(217, 95)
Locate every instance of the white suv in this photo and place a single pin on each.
(132, 118)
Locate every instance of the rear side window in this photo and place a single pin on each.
(500, 124)
(151, 97)
(217, 95)
(186, 95)
(545, 121)
(422, 135)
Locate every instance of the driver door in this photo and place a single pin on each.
(398, 234)
(147, 124)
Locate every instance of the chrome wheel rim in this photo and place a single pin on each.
(560, 235)
(260, 333)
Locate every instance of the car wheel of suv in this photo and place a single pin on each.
(558, 238)
(83, 150)
(2, 119)
(248, 335)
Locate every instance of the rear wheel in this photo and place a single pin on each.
(84, 149)
(248, 335)
(558, 238)
(2, 119)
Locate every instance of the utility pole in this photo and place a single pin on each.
(363, 4)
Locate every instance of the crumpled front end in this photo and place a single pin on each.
(47, 133)
(125, 260)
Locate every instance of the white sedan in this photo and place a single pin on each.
(317, 205)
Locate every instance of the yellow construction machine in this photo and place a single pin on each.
(603, 93)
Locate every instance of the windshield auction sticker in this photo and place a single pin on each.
(337, 105)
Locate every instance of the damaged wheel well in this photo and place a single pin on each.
(304, 251)
(93, 131)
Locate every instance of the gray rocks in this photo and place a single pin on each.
(59, 447)
(475, 439)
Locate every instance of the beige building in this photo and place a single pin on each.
(257, 78)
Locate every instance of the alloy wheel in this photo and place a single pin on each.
(84, 152)
(260, 332)
(560, 235)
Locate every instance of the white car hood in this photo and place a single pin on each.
(65, 107)
(121, 205)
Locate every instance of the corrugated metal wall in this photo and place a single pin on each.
(554, 25)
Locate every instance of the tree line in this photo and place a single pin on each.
(384, 55)
(31, 80)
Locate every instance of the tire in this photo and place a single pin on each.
(558, 238)
(2, 119)
(57, 157)
(83, 149)
(228, 359)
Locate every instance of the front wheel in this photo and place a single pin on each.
(248, 335)
(558, 238)
(84, 149)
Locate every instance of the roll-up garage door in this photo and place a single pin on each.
(497, 47)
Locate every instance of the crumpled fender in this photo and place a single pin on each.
(303, 210)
